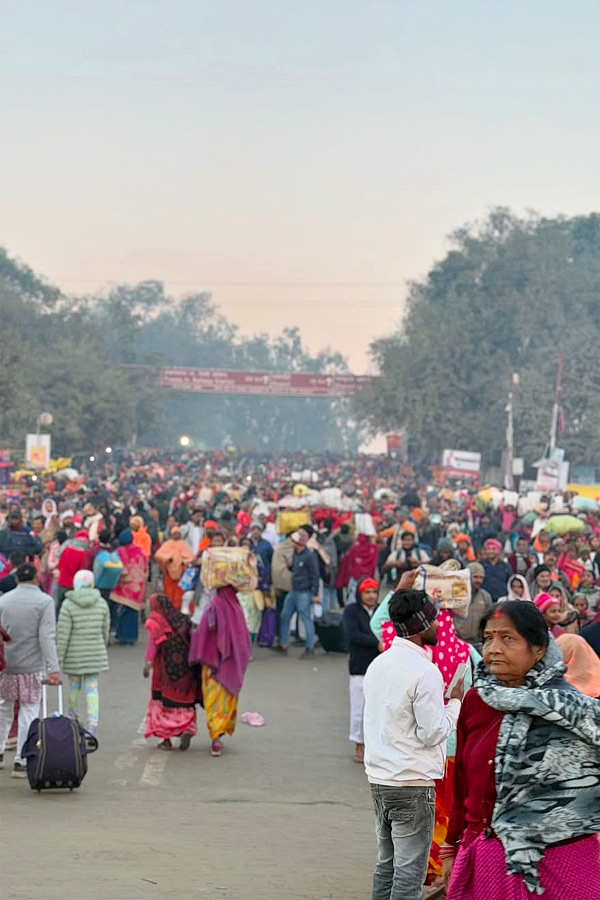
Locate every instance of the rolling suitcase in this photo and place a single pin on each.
(331, 633)
(56, 748)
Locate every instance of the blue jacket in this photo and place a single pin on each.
(496, 578)
(305, 572)
(264, 552)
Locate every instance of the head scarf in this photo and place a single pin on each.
(511, 593)
(583, 665)
(477, 569)
(565, 596)
(83, 579)
(125, 538)
(544, 601)
(493, 544)
(445, 544)
(469, 553)
(366, 584)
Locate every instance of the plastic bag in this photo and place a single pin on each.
(189, 579)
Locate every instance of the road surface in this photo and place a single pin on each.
(284, 813)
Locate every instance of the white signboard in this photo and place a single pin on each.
(37, 451)
(461, 463)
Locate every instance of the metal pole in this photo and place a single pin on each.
(509, 481)
(508, 469)
(556, 407)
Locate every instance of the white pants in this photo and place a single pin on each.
(357, 709)
(27, 713)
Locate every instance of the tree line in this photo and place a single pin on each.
(511, 295)
(64, 355)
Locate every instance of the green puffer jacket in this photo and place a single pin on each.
(82, 632)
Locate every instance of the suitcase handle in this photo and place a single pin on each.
(45, 685)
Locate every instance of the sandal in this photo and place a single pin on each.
(216, 748)
(185, 741)
(165, 745)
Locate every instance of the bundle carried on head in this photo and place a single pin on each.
(234, 566)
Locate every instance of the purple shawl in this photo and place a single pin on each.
(222, 640)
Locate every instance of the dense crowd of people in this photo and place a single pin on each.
(448, 702)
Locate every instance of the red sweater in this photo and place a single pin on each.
(474, 779)
(71, 561)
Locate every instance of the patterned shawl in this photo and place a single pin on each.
(547, 764)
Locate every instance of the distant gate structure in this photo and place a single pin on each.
(263, 384)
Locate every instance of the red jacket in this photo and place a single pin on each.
(74, 556)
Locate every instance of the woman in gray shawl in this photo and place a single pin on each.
(526, 808)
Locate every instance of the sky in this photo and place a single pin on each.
(304, 162)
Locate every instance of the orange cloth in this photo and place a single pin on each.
(173, 557)
(172, 590)
(470, 554)
(142, 539)
(583, 664)
(203, 545)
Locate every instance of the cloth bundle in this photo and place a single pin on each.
(235, 566)
(447, 585)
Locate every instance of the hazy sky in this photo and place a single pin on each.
(332, 142)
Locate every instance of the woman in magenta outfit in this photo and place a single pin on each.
(526, 807)
(175, 684)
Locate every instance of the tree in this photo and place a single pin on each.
(69, 355)
(510, 296)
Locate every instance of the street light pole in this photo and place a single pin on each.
(509, 481)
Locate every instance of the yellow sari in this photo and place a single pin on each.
(220, 706)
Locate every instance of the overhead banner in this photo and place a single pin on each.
(461, 463)
(37, 451)
(280, 384)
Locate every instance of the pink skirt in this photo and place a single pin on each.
(169, 722)
(568, 872)
(26, 688)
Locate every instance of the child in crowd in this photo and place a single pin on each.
(81, 639)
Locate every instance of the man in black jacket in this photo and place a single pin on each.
(364, 648)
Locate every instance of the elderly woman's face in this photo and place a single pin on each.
(544, 580)
(506, 653)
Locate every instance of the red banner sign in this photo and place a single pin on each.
(280, 384)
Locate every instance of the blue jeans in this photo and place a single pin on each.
(329, 598)
(404, 818)
(299, 602)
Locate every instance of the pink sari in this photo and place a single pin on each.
(568, 872)
(130, 590)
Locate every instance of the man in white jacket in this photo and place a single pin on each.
(406, 725)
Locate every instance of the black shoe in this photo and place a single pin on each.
(308, 654)
(19, 771)
(279, 649)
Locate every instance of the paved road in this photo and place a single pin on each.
(284, 813)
